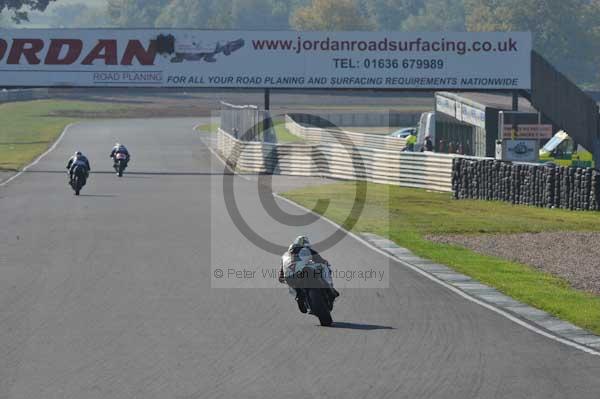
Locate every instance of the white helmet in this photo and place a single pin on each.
(300, 242)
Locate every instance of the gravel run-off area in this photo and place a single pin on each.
(574, 256)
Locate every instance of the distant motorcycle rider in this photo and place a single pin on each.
(78, 162)
(298, 250)
(119, 149)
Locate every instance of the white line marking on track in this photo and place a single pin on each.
(39, 158)
(463, 294)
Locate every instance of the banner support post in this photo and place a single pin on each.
(515, 101)
(268, 134)
(267, 99)
(515, 108)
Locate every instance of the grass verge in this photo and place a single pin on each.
(209, 127)
(29, 128)
(406, 216)
(282, 133)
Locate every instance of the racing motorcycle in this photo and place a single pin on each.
(79, 179)
(313, 282)
(120, 163)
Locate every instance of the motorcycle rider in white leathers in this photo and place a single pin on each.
(300, 250)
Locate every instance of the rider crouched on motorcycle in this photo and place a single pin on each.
(78, 160)
(300, 249)
(119, 149)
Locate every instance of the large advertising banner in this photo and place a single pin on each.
(264, 59)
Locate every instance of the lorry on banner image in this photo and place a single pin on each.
(193, 48)
(560, 150)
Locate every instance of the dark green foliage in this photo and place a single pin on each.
(16, 7)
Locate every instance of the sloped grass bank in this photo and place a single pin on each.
(28, 128)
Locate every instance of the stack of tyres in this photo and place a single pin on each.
(534, 185)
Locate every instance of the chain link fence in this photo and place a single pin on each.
(247, 122)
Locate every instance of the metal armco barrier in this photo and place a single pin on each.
(315, 135)
(23, 95)
(527, 184)
(420, 170)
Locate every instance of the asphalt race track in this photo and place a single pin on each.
(108, 295)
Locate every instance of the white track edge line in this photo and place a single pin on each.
(452, 288)
(501, 312)
(39, 158)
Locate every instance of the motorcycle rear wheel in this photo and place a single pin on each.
(319, 307)
(120, 168)
(77, 184)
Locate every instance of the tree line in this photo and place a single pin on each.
(567, 32)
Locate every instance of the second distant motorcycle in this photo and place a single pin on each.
(120, 163)
(120, 156)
